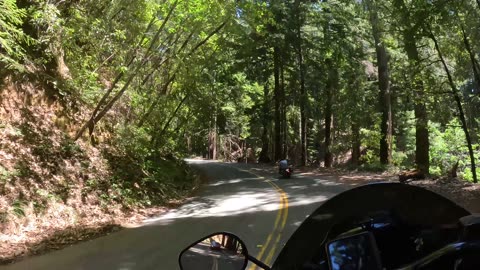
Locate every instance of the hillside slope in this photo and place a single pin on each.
(54, 191)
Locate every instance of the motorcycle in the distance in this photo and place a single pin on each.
(284, 169)
(373, 227)
(286, 173)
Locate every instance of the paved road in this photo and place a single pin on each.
(264, 212)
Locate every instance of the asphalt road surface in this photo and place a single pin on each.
(262, 211)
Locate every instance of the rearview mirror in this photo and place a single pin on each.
(354, 252)
(222, 251)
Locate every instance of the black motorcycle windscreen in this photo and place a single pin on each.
(413, 205)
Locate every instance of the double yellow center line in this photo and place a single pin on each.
(278, 227)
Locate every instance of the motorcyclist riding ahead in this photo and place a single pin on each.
(284, 169)
(282, 165)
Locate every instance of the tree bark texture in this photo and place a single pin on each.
(277, 99)
(422, 142)
(332, 77)
(385, 103)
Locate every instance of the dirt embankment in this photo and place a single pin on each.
(55, 192)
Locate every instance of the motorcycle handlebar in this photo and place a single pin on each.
(451, 249)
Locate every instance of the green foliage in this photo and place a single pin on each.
(401, 160)
(7, 175)
(11, 35)
(141, 176)
(467, 174)
(134, 142)
(448, 146)
(18, 208)
(156, 183)
(373, 167)
(167, 80)
(370, 139)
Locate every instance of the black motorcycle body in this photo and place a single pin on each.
(380, 226)
(286, 173)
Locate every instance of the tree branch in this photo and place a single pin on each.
(208, 37)
(94, 118)
(459, 106)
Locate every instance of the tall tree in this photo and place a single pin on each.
(299, 22)
(411, 29)
(264, 154)
(278, 104)
(385, 103)
(332, 82)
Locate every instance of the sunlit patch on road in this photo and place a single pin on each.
(220, 206)
(227, 205)
(306, 199)
(233, 181)
(199, 161)
(325, 182)
(299, 187)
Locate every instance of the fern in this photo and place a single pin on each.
(17, 208)
(11, 36)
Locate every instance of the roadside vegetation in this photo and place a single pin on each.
(100, 101)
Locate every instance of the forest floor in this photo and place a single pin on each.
(464, 193)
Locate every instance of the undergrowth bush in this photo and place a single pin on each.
(370, 140)
(142, 175)
(447, 147)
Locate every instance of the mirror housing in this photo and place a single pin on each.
(220, 251)
(359, 250)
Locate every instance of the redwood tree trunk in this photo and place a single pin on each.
(264, 156)
(284, 112)
(473, 60)
(422, 142)
(356, 144)
(332, 77)
(277, 99)
(385, 103)
(303, 95)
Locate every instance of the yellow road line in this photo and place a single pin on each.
(276, 229)
(264, 248)
(283, 211)
(269, 258)
(269, 238)
(285, 199)
(277, 221)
